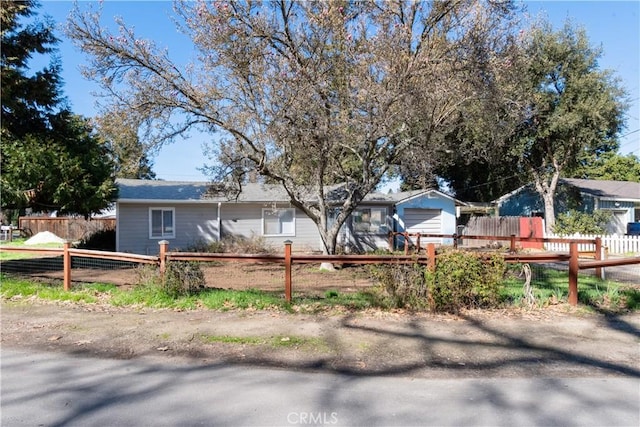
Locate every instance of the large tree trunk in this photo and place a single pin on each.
(329, 240)
(549, 211)
(546, 188)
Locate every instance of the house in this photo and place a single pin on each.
(185, 213)
(622, 198)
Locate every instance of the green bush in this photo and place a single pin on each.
(464, 280)
(573, 222)
(183, 279)
(103, 240)
(460, 280)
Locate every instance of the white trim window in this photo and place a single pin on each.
(162, 223)
(279, 222)
(370, 220)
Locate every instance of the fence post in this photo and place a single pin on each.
(598, 257)
(431, 256)
(418, 244)
(66, 263)
(573, 273)
(287, 270)
(406, 243)
(164, 248)
(513, 243)
(391, 239)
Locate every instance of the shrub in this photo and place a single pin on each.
(464, 280)
(215, 247)
(460, 280)
(183, 279)
(147, 275)
(573, 222)
(103, 240)
(247, 245)
(233, 244)
(403, 285)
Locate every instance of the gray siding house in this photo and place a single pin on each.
(622, 198)
(186, 213)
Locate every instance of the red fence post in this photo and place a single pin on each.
(573, 273)
(66, 263)
(431, 254)
(513, 243)
(287, 270)
(418, 244)
(164, 248)
(406, 243)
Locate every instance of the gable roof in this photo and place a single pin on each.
(161, 191)
(603, 189)
(619, 190)
(138, 190)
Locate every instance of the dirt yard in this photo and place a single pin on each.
(558, 342)
(226, 275)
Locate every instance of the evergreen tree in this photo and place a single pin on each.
(611, 166)
(50, 157)
(575, 110)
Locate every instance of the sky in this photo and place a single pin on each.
(613, 25)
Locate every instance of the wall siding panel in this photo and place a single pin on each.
(245, 219)
(193, 223)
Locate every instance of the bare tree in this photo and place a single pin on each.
(310, 95)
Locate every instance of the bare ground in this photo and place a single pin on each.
(558, 342)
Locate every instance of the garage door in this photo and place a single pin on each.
(424, 221)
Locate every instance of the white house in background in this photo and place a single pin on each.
(185, 213)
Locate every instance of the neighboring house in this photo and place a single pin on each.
(185, 213)
(622, 198)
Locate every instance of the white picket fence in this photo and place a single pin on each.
(615, 243)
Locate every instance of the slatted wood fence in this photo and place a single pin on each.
(68, 228)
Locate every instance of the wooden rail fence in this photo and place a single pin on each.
(288, 259)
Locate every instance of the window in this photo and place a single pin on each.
(279, 222)
(161, 223)
(370, 220)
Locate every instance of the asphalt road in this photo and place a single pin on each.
(56, 389)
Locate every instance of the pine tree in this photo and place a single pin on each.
(50, 157)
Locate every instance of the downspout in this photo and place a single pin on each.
(394, 226)
(117, 227)
(219, 222)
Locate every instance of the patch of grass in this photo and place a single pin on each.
(552, 287)
(224, 299)
(632, 298)
(153, 297)
(331, 294)
(12, 287)
(298, 342)
(11, 256)
(21, 243)
(278, 341)
(233, 340)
